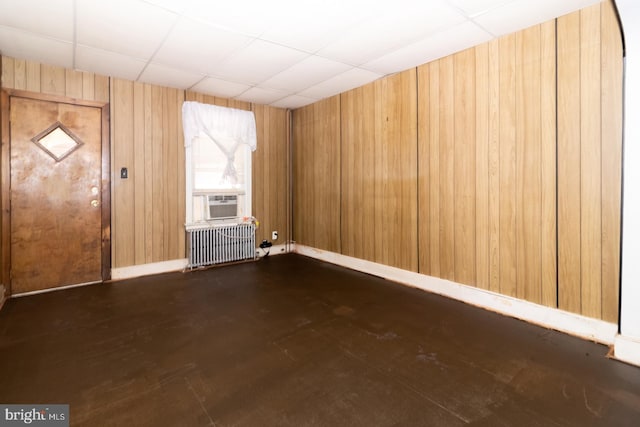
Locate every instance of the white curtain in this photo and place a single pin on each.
(228, 128)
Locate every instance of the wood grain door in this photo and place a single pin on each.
(56, 185)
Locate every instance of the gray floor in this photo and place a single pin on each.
(290, 341)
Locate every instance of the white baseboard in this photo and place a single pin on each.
(148, 269)
(552, 318)
(627, 350)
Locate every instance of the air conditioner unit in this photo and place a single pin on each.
(221, 206)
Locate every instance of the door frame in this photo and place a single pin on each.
(5, 178)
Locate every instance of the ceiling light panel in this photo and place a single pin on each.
(52, 18)
(129, 27)
(198, 47)
(24, 45)
(257, 62)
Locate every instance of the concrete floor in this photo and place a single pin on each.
(290, 341)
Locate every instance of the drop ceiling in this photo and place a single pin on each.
(285, 53)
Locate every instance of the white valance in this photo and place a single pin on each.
(228, 128)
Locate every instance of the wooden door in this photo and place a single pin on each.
(56, 231)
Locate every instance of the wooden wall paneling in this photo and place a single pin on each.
(273, 132)
(181, 178)
(508, 248)
(52, 79)
(380, 169)
(482, 229)
(611, 128)
(302, 176)
(494, 165)
(34, 80)
(434, 168)
(88, 86)
(447, 168)
(280, 173)
(123, 227)
(528, 168)
(137, 175)
(326, 174)
(367, 211)
(569, 190)
(424, 196)
(8, 69)
(548, 240)
(149, 173)
(157, 183)
(73, 84)
(351, 170)
(20, 74)
(465, 167)
(590, 160)
(173, 194)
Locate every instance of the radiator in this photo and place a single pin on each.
(218, 244)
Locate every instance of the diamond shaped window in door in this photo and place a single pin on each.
(57, 141)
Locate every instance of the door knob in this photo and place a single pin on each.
(95, 203)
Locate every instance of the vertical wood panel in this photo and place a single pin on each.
(465, 168)
(258, 194)
(351, 170)
(447, 171)
(508, 148)
(367, 147)
(590, 179)
(424, 195)
(494, 166)
(123, 196)
(34, 80)
(528, 167)
(88, 86)
(569, 190)
(611, 141)
(149, 173)
(434, 167)
(52, 80)
(20, 74)
(482, 165)
(73, 84)
(548, 164)
(157, 129)
(138, 174)
(8, 68)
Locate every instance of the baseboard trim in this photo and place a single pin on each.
(552, 318)
(627, 350)
(57, 288)
(148, 269)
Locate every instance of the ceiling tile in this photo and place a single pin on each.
(24, 45)
(304, 74)
(128, 27)
(475, 7)
(198, 47)
(261, 95)
(257, 62)
(220, 87)
(312, 25)
(407, 22)
(108, 63)
(52, 18)
(341, 83)
(176, 6)
(248, 17)
(520, 14)
(294, 101)
(171, 77)
(441, 44)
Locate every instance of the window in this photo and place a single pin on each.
(218, 145)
